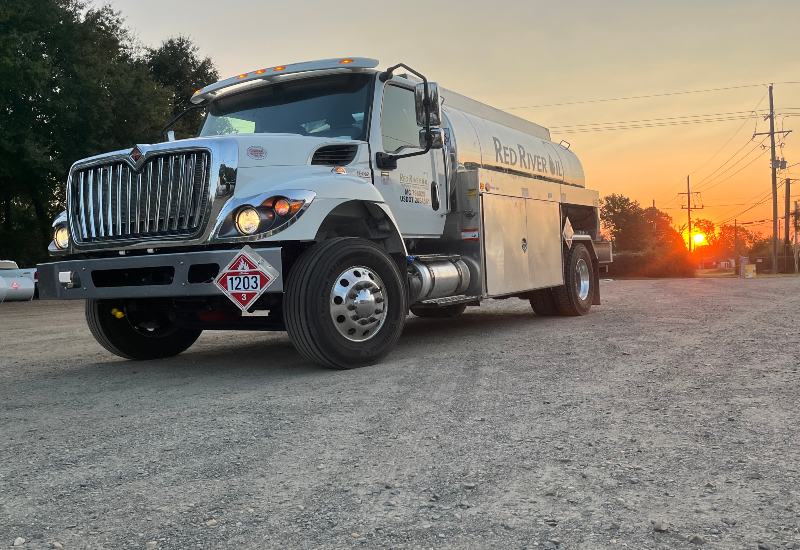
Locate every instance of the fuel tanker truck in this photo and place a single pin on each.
(327, 199)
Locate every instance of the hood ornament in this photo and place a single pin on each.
(136, 156)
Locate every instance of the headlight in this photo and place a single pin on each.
(261, 215)
(247, 220)
(61, 237)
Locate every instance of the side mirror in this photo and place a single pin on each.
(437, 138)
(171, 135)
(433, 104)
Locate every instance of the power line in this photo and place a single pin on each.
(717, 172)
(764, 199)
(653, 125)
(627, 98)
(750, 114)
(730, 139)
(712, 183)
(735, 133)
(647, 96)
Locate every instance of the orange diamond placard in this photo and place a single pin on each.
(246, 277)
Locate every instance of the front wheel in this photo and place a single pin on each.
(137, 329)
(345, 303)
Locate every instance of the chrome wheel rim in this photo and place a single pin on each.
(358, 303)
(582, 279)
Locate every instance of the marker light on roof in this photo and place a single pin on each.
(210, 91)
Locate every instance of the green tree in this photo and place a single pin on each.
(625, 222)
(733, 241)
(177, 66)
(72, 85)
(706, 228)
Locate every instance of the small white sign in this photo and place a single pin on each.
(568, 233)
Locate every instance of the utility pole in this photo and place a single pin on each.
(787, 195)
(774, 182)
(796, 219)
(689, 208)
(774, 167)
(787, 243)
(736, 240)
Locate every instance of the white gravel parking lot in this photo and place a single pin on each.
(667, 418)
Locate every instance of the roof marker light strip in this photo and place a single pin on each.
(351, 63)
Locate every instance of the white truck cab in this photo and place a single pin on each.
(327, 199)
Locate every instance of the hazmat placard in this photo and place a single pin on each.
(246, 277)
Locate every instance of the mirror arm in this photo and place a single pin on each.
(388, 160)
(179, 116)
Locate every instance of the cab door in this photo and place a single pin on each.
(415, 190)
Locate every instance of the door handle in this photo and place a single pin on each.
(434, 196)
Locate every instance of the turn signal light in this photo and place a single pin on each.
(345, 61)
(282, 207)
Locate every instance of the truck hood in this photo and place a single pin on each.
(254, 150)
(257, 150)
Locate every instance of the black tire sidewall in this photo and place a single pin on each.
(331, 346)
(577, 253)
(120, 338)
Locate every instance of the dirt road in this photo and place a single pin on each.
(668, 414)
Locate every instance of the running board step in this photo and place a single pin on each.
(452, 300)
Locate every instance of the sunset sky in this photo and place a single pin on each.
(516, 54)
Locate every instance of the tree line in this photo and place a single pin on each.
(647, 243)
(75, 82)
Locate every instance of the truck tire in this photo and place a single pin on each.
(153, 336)
(575, 296)
(441, 312)
(345, 303)
(543, 303)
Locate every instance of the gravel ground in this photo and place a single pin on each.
(668, 418)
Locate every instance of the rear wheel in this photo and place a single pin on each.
(543, 303)
(137, 329)
(576, 296)
(441, 312)
(345, 303)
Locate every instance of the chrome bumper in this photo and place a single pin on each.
(103, 277)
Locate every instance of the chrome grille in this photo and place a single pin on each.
(166, 197)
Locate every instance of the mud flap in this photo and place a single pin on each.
(596, 275)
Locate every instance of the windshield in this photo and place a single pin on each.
(325, 106)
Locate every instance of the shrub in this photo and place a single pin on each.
(675, 262)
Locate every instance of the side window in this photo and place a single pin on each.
(399, 120)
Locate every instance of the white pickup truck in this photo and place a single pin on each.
(327, 199)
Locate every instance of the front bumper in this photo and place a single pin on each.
(150, 276)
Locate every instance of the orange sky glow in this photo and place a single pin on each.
(528, 56)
